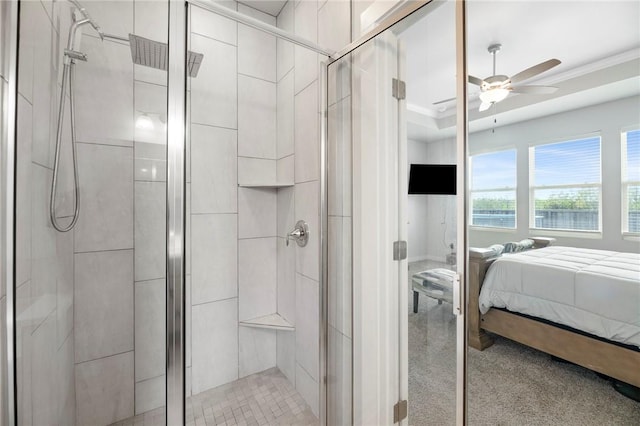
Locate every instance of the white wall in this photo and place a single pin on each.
(607, 119)
(432, 218)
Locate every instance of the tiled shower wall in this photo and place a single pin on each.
(44, 258)
(76, 294)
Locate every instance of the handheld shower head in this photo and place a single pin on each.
(83, 11)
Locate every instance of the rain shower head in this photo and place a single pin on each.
(154, 54)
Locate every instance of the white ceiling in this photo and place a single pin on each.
(586, 36)
(272, 7)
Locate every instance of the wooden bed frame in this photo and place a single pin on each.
(607, 358)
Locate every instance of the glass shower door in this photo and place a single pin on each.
(394, 155)
(90, 317)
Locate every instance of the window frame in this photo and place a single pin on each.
(625, 182)
(533, 188)
(513, 189)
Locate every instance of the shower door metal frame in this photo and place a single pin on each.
(8, 149)
(176, 143)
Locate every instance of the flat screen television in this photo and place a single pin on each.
(432, 179)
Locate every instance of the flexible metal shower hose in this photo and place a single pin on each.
(67, 77)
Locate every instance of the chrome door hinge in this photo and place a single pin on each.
(400, 411)
(399, 250)
(398, 89)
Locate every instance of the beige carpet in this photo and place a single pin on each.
(509, 384)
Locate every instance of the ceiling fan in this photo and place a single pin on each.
(497, 87)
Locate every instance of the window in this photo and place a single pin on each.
(631, 181)
(493, 189)
(565, 185)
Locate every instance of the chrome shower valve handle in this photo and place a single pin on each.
(300, 234)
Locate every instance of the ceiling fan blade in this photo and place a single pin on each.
(485, 106)
(535, 90)
(475, 80)
(535, 70)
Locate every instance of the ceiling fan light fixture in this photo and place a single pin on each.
(494, 95)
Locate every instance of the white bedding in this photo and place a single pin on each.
(595, 291)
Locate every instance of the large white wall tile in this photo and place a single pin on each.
(285, 48)
(149, 15)
(257, 277)
(64, 286)
(150, 394)
(43, 248)
(249, 10)
(339, 81)
(23, 194)
(286, 281)
(285, 169)
(256, 212)
(214, 170)
(308, 388)
(257, 350)
(286, 212)
(334, 26)
(150, 326)
(24, 350)
(285, 144)
(256, 118)
(214, 91)
(306, 61)
(103, 304)
(213, 26)
(150, 113)
(65, 383)
(114, 20)
(29, 26)
(105, 390)
(44, 96)
(307, 209)
(256, 171)
(339, 377)
(307, 136)
(104, 93)
(187, 321)
(215, 344)
(44, 364)
(307, 324)
(339, 159)
(214, 248)
(5, 22)
(256, 53)
(150, 162)
(150, 230)
(340, 285)
(286, 354)
(106, 198)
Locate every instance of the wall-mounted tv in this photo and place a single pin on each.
(432, 179)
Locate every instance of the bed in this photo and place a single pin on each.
(580, 305)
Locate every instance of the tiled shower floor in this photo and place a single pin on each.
(266, 398)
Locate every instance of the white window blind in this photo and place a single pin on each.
(493, 189)
(565, 185)
(631, 181)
